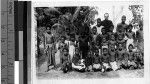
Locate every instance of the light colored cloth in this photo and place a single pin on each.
(57, 57)
(106, 65)
(96, 66)
(114, 65)
(71, 51)
(78, 67)
(131, 63)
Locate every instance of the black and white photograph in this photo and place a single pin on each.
(89, 41)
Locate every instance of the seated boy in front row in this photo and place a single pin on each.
(97, 61)
(131, 59)
(112, 53)
(76, 61)
(105, 60)
(66, 61)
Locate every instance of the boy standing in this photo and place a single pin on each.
(49, 45)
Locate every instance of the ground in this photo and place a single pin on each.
(55, 74)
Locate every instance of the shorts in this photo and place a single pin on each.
(106, 65)
(114, 65)
(96, 66)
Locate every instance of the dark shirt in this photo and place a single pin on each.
(107, 24)
(96, 59)
(105, 58)
(76, 59)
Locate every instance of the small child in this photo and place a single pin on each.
(131, 60)
(125, 60)
(120, 53)
(121, 40)
(89, 61)
(139, 59)
(97, 61)
(61, 46)
(112, 53)
(76, 61)
(105, 60)
(66, 62)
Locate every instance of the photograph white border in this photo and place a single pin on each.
(144, 80)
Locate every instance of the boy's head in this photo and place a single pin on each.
(77, 51)
(120, 37)
(62, 39)
(130, 27)
(112, 37)
(67, 30)
(72, 37)
(98, 22)
(96, 51)
(123, 19)
(120, 28)
(105, 50)
(111, 28)
(94, 30)
(103, 31)
(120, 46)
(106, 16)
(65, 51)
(130, 47)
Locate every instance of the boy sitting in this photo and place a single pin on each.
(105, 60)
(139, 60)
(120, 53)
(131, 60)
(75, 61)
(66, 62)
(112, 53)
(97, 61)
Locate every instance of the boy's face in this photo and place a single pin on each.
(103, 31)
(130, 47)
(98, 22)
(105, 51)
(123, 19)
(94, 30)
(112, 37)
(62, 39)
(120, 47)
(96, 52)
(65, 52)
(120, 37)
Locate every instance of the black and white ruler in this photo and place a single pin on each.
(7, 42)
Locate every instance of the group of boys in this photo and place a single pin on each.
(106, 50)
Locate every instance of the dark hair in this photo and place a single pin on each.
(99, 19)
(130, 45)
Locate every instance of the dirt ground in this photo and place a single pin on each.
(55, 74)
